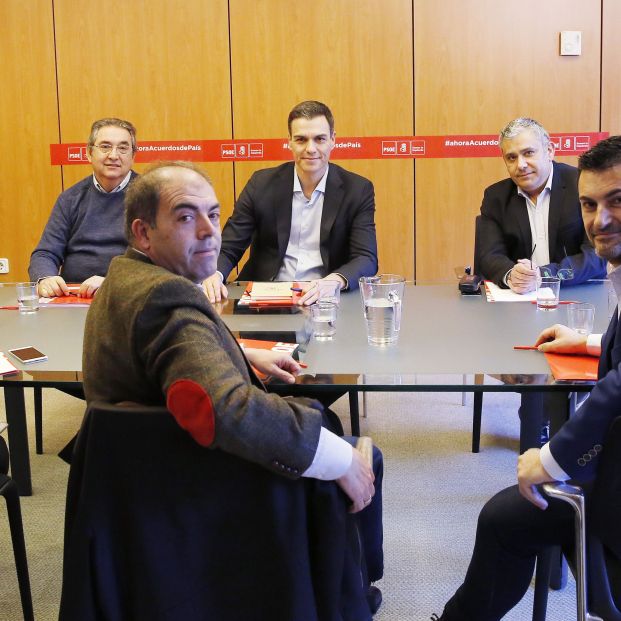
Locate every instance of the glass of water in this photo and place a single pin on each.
(27, 298)
(382, 299)
(580, 317)
(323, 315)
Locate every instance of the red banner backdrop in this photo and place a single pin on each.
(370, 147)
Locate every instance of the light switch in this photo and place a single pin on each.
(571, 43)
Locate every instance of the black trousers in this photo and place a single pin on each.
(537, 408)
(510, 533)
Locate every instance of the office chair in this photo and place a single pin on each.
(596, 555)
(9, 490)
(159, 527)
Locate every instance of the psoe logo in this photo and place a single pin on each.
(227, 151)
(389, 148)
(77, 154)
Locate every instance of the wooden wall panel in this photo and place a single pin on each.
(355, 56)
(478, 65)
(28, 124)
(611, 71)
(162, 64)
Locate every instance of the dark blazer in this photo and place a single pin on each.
(504, 235)
(160, 529)
(577, 447)
(262, 220)
(149, 330)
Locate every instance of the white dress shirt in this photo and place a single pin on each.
(538, 214)
(302, 260)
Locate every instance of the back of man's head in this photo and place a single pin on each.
(310, 110)
(605, 154)
(111, 122)
(517, 126)
(143, 195)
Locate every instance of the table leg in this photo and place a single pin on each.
(18, 438)
(354, 413)
(477, 411)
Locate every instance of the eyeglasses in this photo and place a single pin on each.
(562, 274)
(106, 149)
(565, 273)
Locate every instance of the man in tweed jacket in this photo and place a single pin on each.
(152, 337)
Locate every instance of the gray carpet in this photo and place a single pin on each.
(434, 489)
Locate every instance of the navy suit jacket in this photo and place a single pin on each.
(262, 220)
(504, 234)
(577, 447)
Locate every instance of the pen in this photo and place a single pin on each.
(8, 308)
(525, 347)
(296, 289)
(303, 365)
(531, 256)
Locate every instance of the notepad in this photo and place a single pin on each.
(494, 293)
(267, 290)
(275, 294)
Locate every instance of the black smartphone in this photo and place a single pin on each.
(28, 354)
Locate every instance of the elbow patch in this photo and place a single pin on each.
(192, 408)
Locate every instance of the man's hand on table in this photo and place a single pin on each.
(531, 473)
(522, 278)
(278, 365)
(316, 289)
(89, 287)
(215, 289)
(357, 482)
(560, 339)
(52, 287)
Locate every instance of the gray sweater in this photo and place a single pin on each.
(84, 232)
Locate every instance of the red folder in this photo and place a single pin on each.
(288, 348)
(570, 367)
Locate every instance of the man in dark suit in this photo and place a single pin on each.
(152, 337)
(530, 226)
(518, 522)
(305, 220)
(530, 223)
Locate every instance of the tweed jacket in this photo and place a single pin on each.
(151, 334)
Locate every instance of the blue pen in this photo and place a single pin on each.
(296, 289)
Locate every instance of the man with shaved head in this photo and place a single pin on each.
(152, 337)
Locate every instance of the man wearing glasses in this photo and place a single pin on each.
(530, 223)
(86, 227)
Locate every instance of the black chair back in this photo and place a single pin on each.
(158, 527)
